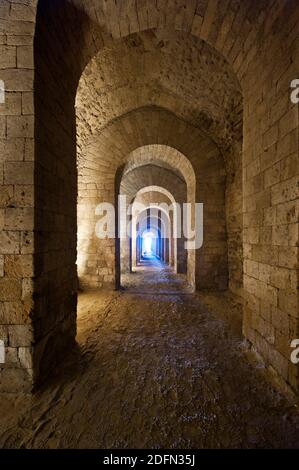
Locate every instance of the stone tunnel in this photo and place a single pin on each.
(149, 223)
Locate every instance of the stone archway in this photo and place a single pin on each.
(157, 198)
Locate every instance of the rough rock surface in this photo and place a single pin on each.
(155, 367)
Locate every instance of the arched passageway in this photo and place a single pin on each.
(165, 205)
(191, 98)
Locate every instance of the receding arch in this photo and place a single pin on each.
(137, 174)
(152, 202)
(151, 220)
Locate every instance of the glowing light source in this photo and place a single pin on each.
(147, 243)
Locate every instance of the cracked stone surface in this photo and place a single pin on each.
(154, 370)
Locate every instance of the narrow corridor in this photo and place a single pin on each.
(154, 371)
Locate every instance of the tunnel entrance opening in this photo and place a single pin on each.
(154, 252)
(152, 239)
(149, 245)
(154, 208)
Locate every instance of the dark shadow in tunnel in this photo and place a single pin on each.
(118, 178)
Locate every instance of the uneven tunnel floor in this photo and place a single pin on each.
(154, 370)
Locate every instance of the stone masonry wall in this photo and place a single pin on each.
(16, 194)
(259, 41)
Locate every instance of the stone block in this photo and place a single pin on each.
(288, 257)
(2, 128)
(288, 122)
(7, 57)
(20, 126)
(17, 79)
(1, 265)
(12, 313)
(11, 150)
(4, 334)
(289, 166)
(280, 321)
(19, 40)
(27, 242)
(12, 105)
(11, 356)
(272, 175)
(20, 336)
(14, 379)
(288, 302)
(25, 357)
(18, 266)
(20, 219)
(282, 344)
(27, 103)
(279, 277)
(279, 363)
(287, 213)
(9, 242)
(270, 137)
(10, 290)
(6, 195)
(21, 11)
(285, 235)
(25, 59)
(285, 191)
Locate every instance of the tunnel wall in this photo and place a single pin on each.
(212, 259)
(55, 184)
(234, 222)
(38, 280)
(16, 195)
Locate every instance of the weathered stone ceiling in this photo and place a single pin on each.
(233, 28)
(153, 198)
(143, 127)
(219, 22)
(163, 156)
(150, 175)
(174, 71)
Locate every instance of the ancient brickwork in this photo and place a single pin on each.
(16, 194)
(255, 43)
(152, 125)
(270, 197)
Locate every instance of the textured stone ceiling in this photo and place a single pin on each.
(151, 197)
(174, 71)
(150, 176)
(111, 148)
(164, 157)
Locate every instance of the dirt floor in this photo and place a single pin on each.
(155, 367)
